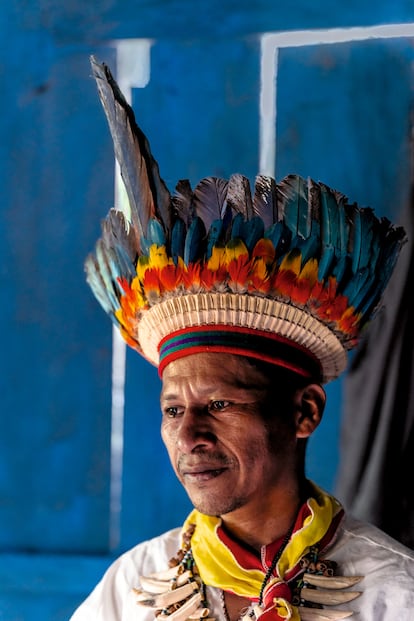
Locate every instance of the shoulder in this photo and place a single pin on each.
(112, 599)
(357, 536)
(386, 568)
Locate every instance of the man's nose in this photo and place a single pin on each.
(194, 431)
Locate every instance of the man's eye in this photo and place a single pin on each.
(171, 412)
(219, 405)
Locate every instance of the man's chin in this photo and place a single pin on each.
(215, 507)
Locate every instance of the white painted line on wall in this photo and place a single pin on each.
(271, 42)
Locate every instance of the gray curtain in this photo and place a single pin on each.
(376, 470)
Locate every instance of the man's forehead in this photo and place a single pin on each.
(209, 369)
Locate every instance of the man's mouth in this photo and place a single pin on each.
(200, 474)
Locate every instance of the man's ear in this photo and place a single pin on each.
(309, 406)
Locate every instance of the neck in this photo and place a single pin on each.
(260, 526)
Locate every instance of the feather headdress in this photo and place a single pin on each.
(289, 273)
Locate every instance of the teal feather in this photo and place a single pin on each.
(97, 284)
(121, 265)
(390, 244)
(102, 261)
(342, 272)
(280, 236)
(195, 241)
(329, 231)
(227, 219)
(363, 238)
(252, 231)
(177, 242)
(358, 286)
(293, 203)
(215, 236)
(325, 262)
(342, 269)
(237, 227)
(309, 248)
(249, 231)
(343, 227)
(155, 235)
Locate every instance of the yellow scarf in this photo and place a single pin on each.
(219, 567)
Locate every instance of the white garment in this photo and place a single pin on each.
(359, 549)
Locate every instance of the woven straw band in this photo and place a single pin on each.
(250, 312)
(241, 341)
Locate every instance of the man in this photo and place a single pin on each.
(247, 305)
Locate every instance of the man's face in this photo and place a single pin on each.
(223, 432)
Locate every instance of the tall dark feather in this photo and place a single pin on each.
(147, 193)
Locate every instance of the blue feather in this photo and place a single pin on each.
(325, 261)
(97, 284)
(227, 218)
(121, 265)
(280, 236)
(155, 235)
(293, 203)
(390, 243)
(329, 230)
(237, 227)
(308, 247)
(103, 263)
(342, 269)
(358, 287)
(364, 234)
(215, 236)
(195, 241)
(177, 242)
(252, 231)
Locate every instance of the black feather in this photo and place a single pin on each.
(209, 199)
(182, 201)
(239, 196)
(265, 200)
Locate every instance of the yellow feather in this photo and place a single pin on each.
(158, 256)
(217, 258)
(310, 271)
(142, 266)
(292, 262)
(235, 249)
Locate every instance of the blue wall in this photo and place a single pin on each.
(343, 113)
